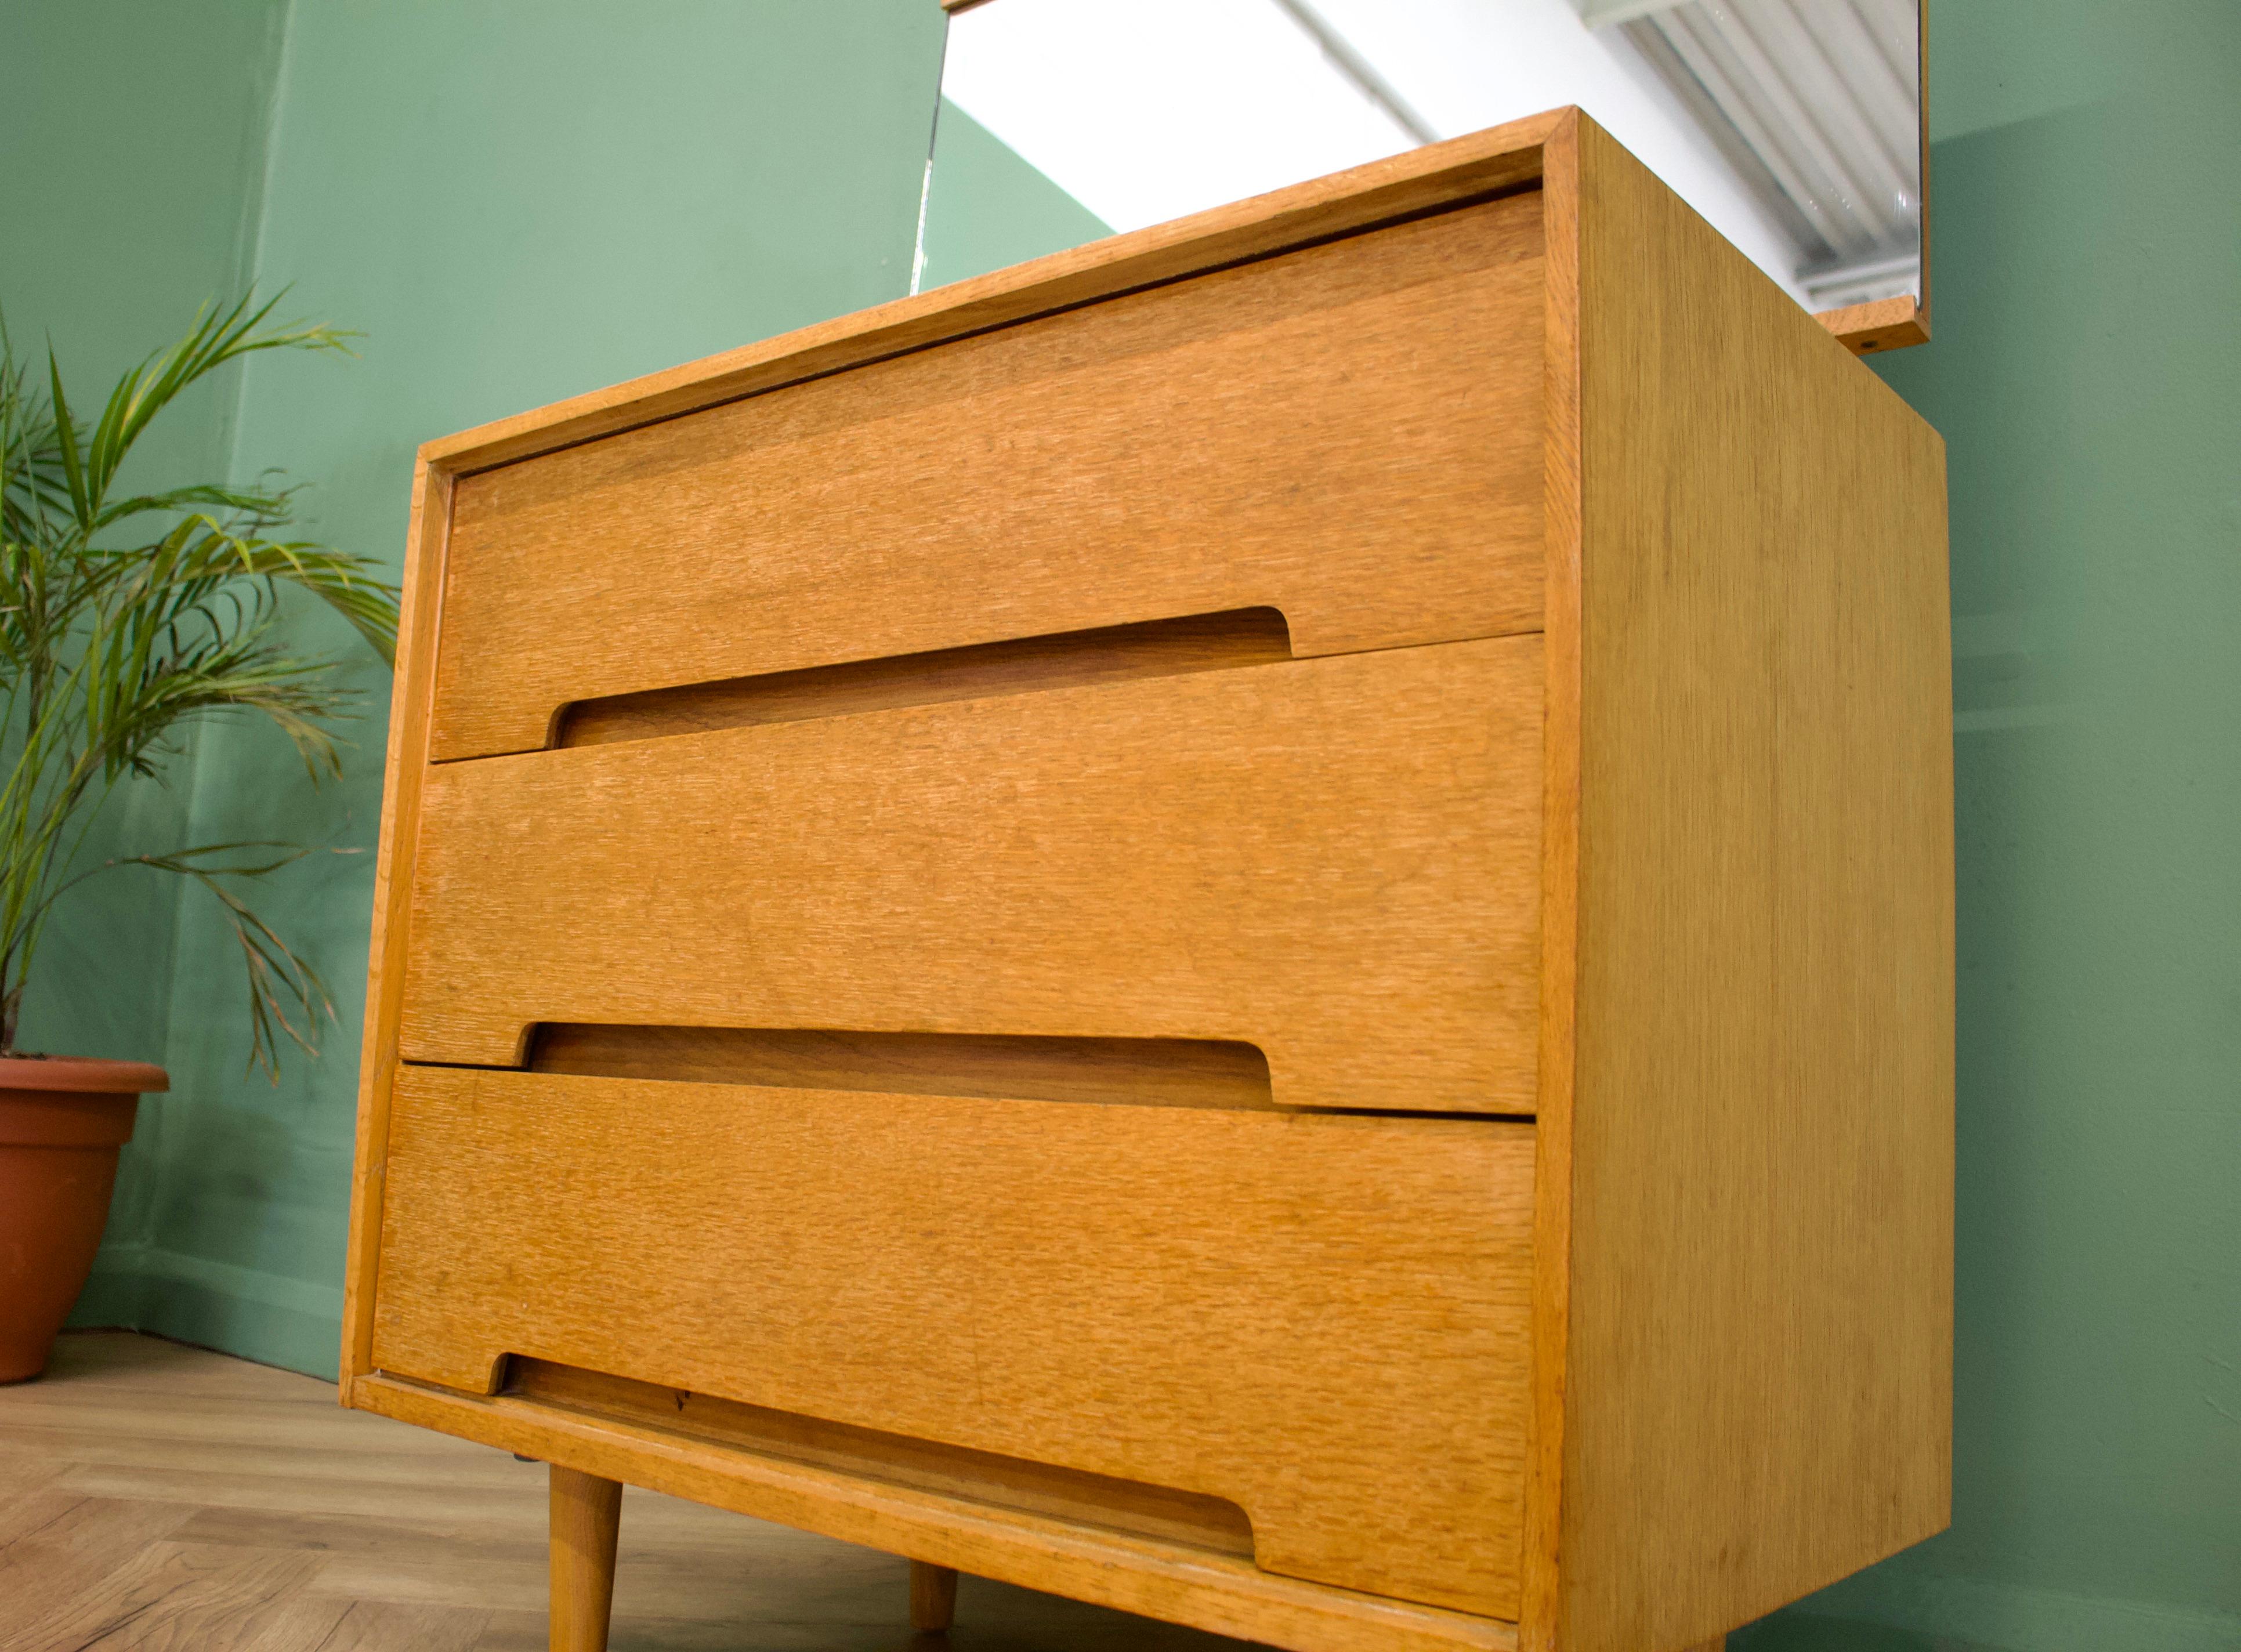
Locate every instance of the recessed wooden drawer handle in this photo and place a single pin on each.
(1021, 666)
(1142, 1072)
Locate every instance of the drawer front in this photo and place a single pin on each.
(1350, 433)
(1334, 860)
(1322, 1319)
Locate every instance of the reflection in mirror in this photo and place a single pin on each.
(1794, 126)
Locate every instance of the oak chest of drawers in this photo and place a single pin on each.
(1254, 923)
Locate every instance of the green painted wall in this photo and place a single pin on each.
(987, 208)
(2086, 374)
(133, 137)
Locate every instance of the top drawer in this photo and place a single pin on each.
(1350, 433)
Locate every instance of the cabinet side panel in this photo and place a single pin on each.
(1539, 1596)
(1758, 1383)
(425, 541)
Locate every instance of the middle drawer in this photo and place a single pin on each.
(1336, 860)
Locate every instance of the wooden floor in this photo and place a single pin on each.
(164, 1498)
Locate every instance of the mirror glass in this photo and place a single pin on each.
(1794, 126)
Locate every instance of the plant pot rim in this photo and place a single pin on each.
(90, 1073)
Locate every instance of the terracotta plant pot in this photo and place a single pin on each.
(61, 1120)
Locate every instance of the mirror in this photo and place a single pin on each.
(1794, 126)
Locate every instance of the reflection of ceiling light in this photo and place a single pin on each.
(1818, 104)
(1149, 111)
(1358, 71)
(1865, 283)
(1146, 111)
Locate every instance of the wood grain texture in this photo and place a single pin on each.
(1757, 1375)
(1350, 433)
(180, 1597)
(586, 1520)
(1334, 860)
(1176, 1296)
(420, 621)
(983, 1477)
(1499, 160)
(386, 1626)
(932, 1597)
(1878, 325)
(1220, 1592)
(55, 1541)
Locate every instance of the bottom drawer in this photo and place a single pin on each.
(1322, 1319)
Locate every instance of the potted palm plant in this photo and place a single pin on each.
(125, 618)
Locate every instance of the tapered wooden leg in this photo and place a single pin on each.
(934, 1597)
(586, 1513)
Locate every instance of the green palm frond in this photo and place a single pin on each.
(217, 338)
(116, 638)
(286, 996)
(248, 502)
